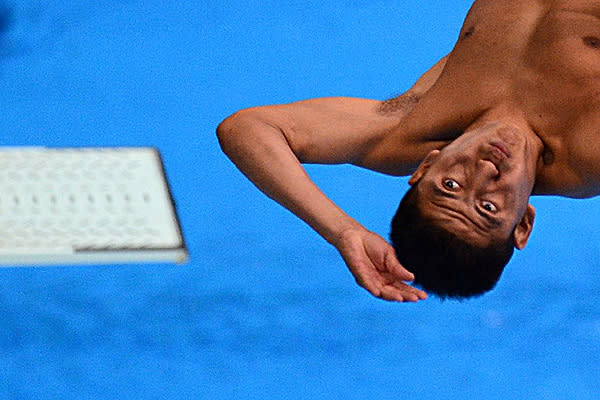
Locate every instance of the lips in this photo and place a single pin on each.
(500, 149)
(499, 155)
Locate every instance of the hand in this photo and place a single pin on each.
(375, 267)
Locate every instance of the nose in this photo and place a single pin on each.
(488, 170)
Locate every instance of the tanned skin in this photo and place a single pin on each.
(524, 69)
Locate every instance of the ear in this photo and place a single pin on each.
(423, 167)
(524, 228)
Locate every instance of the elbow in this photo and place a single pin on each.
(227, 131)
(236, 129)
(256, 127)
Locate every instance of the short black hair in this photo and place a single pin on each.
(444, 264)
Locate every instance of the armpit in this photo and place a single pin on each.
(404, 103)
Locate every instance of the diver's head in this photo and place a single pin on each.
(467, 209)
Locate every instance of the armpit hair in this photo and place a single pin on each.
(405, 103)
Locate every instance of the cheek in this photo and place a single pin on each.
(519, 197)
(515, 191)
(521, 186)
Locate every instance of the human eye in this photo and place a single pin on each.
(489, 206)
(451, 184)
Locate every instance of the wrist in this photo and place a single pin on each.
(345, 234)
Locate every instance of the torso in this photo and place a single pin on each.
(541, 60)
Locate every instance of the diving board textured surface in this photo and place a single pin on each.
(86, 205)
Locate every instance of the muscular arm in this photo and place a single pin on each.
(269, 144)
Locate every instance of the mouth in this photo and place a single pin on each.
(500, 150)
(499, 155)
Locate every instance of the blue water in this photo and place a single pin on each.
(265, 309)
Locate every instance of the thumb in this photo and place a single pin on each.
(393, 266)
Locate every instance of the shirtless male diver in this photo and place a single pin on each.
(513, 110)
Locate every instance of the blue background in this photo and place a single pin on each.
(265, 308)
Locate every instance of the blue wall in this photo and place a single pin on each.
(265, 309)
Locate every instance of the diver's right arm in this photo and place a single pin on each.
(269, 144)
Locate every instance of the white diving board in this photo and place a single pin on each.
(86, 206)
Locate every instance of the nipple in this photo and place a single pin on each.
(469, 32)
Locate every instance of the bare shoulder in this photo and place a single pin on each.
(330, 130)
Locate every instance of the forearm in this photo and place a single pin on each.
(261, 151)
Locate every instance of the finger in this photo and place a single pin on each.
(391, 293)
(385, 285)
(368, 281)
(403, 295)
(375, 285)
(407, 296)
(393, 265)
(389, 278)
(419, 294)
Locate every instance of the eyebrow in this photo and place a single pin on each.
(491, 221)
